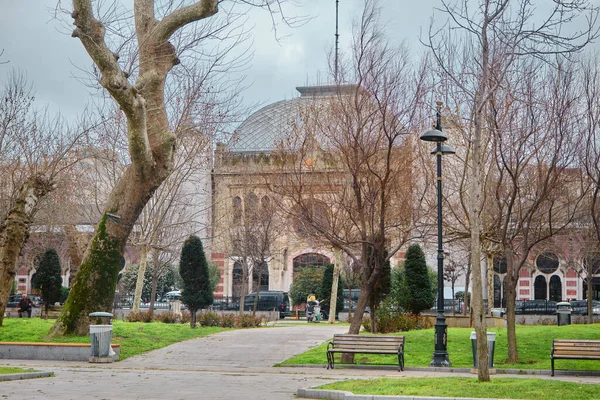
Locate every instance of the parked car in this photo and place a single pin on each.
(580, 307)
(271, 300)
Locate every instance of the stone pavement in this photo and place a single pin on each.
(236, 364)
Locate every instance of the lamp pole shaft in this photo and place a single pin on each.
(440, 355)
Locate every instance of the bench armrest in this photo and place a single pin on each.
(330, 345)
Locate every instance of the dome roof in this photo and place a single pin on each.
(262, 131)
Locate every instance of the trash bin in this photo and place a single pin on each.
(563, 313)
(100, 336)
(491, 342)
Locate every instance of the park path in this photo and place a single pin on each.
(231, 365)
(236, 364)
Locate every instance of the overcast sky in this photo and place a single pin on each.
(37, 44)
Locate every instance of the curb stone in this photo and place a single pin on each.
(25, 375)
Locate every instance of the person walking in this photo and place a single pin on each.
(25, 305)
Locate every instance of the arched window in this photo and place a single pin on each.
(251, 206)
(265, 203)
(310, 260)
(540, 288)
(260, 277)
(237, 210)
(547, 262)
(497, 291)
(237, 280)
(593, 261)
(555, 288)
(500, 265)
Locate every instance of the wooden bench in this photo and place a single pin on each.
(366, 344)
(574, 350)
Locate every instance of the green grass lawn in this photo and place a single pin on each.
(134, 337)
(13, 370)
(534, 344)
(498, 388)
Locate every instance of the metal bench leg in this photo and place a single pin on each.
(552, 362)
(329, 360)
(400, 361)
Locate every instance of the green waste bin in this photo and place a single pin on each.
(491, 342)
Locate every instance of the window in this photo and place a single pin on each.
(237, 280)
(540, 288)
(310, 260)
(555, 288)
(260, 277)
(593, 261)
(547, 262)
(237, 210)
(316, 214)
(500, 265)
(251, 206)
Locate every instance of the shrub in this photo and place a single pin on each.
(396, 322)
(139, 316)
(227, 320)
(208, 319)
(248, 321)
(167, 317)
(186, 317)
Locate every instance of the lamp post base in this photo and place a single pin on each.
(440, 355)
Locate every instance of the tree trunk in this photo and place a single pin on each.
(139, 285)
(467, 298)
(337, 267)
(153, 294)
(365, 293)
(193, 318)
(15, 230)
(490, 282)
(244, 288)
(590, 313)
(94, 285)
(511, 333)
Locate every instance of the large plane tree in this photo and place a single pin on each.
(134, 70)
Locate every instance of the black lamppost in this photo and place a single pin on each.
(440, 355)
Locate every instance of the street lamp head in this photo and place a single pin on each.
(444, 149)
(434, 135)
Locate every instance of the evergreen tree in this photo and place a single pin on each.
(325, 292)
(48, 279)
(196, 286)
(418, 285)
(306, 281)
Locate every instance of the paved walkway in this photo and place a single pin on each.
(236, 364)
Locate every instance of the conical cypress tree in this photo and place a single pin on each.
(47, 277)
(418, 285)
(193, 268)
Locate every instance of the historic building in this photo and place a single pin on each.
(243, 169)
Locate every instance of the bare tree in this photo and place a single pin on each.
(153, 37)
(590, 159)
(493, 36)
(254, 230)
(538, 193)
(452, 272)
(34, 150)
(345, 171)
